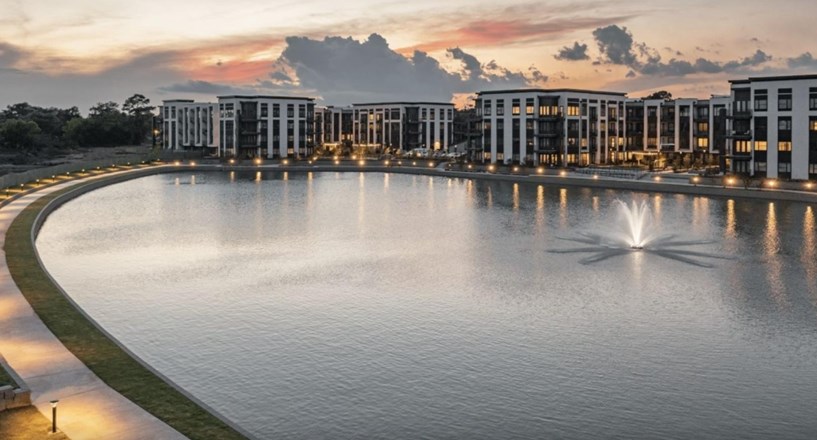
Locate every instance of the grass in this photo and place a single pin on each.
(26, 424)
(113, 365)
(5, 379)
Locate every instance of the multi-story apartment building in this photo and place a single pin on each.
(774, 127)
(391, 126)
(266, 126)
(333, 125)
(190, 125)
(534, 126)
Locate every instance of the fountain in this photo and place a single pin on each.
(635, 230)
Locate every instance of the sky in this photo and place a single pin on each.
(80, 52)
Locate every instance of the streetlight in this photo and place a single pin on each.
(54, 416)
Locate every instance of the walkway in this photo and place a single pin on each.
(88, 408)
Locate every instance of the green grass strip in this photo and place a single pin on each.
(110, 363)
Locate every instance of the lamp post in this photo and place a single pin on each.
(54, 416)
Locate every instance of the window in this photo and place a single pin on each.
(742, 147)
(784, 124)
(515, 107)
(812, 168)
(761, 145)
(290, 110)
(784, 99)
(500, 108)
(784, 146)
(812, 98)
(276, 110)
(812, 124)
(703, 143)
(761, 103)
(529, 106)
(760, 166)
(264, 110)
(703, 126)
(573, 109)
(487, 108)
(423, 114)
(784, 167)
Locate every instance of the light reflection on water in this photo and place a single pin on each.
(344, 305)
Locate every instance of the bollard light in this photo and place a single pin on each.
(54, 416)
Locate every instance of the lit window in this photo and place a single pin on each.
(573, 110)
(784, 146)
(760, 145)
(703, 142)
(812, 125)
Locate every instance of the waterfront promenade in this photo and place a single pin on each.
(88, 408)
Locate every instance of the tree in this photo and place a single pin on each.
(661, 94)
(19, 135)
(140, 113)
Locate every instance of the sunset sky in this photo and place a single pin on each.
(80, 52)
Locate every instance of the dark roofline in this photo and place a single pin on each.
(369, 104)
(773, 78)
(595, 92)
(178, 100)
(299, 98)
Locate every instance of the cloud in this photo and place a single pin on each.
(803, 60)
(346, 70)
(9, 55)
(576, 53)
(615, 45)
(503, 32)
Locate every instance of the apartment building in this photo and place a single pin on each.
(537, 126)
(333, 125)
(774, 127)
(391, 126)
(189, 125)
(266, 126)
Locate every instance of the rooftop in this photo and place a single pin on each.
(509, 91)
(369, 104)
(300, 98)
(774, 78)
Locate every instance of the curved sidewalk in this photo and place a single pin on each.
(88, 408)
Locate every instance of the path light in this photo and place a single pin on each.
(809, 185)
(772, 183)
(657, 178)
(431, 164)
(354, 156)
(177, 163)
(695, 180)
(595, 176)
(232, 161)
(258, 161)
(285, 162)
(540, 170)
(362, 162)
(490, 167)
(515, 169)
(337, 162)
(730, 181)
(386, 163)
(563, 173)
(414, 163)
(470, 166)
(399, 162)
(54, 416)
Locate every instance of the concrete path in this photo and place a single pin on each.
(88, 408)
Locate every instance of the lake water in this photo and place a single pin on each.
(351, 305)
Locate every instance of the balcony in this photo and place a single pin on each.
(743, 135)
(741, 114)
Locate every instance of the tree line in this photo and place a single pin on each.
(30, 131)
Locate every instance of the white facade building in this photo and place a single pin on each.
(266, 126)
(534, 126)
(774, 127)
(190, 125)
(403, 125)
